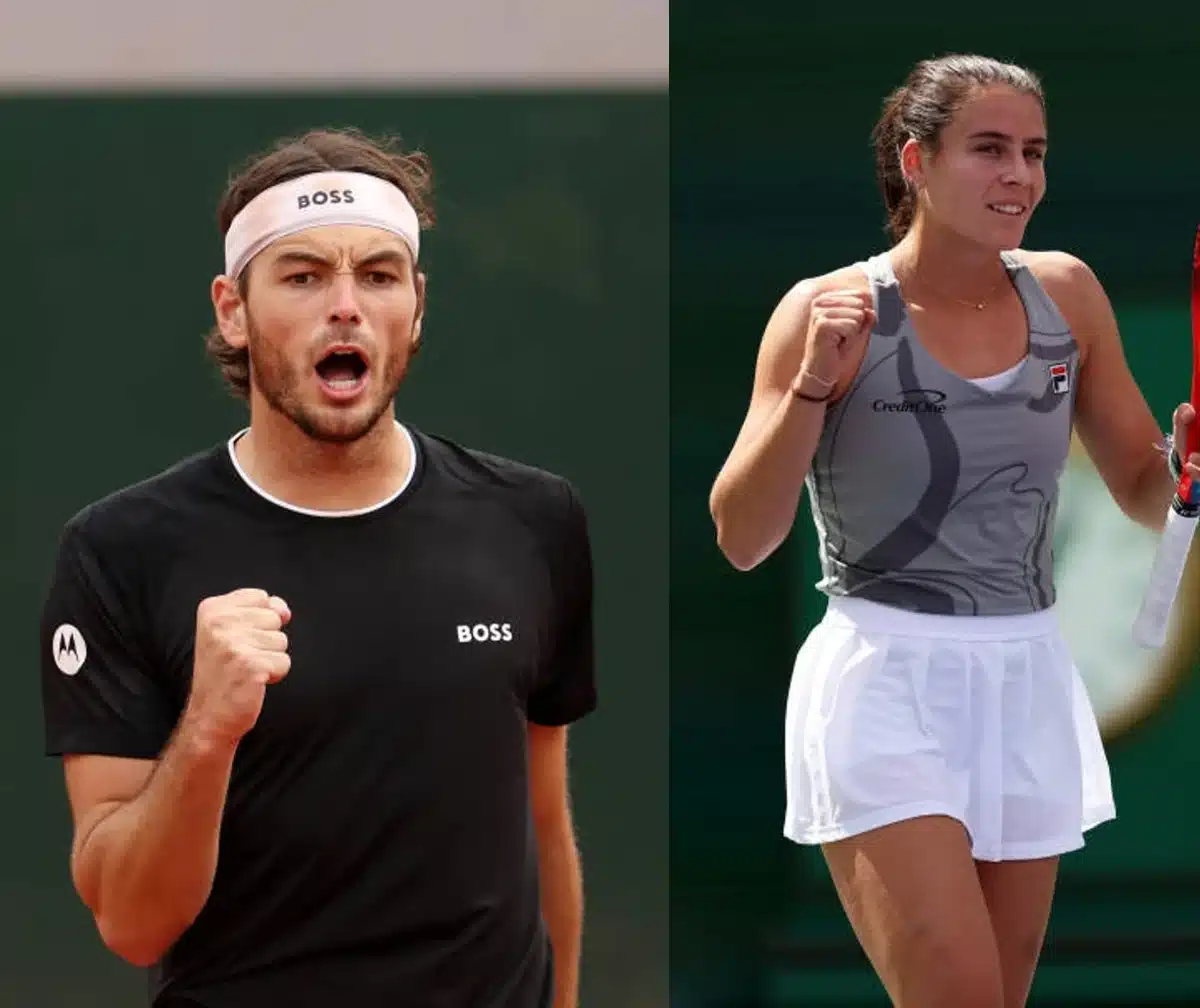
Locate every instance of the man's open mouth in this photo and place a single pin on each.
(342, 369)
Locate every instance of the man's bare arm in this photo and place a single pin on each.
(147, 835)
(558, 857)
(146, 840)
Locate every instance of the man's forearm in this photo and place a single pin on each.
(146, 868)
(562, 907)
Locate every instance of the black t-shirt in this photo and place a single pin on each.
(377, 847)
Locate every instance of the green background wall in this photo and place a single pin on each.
(546, 340)
(772, 180)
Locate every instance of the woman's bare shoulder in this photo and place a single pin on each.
(851, 278)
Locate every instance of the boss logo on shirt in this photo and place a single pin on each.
(481, 632)
(321, 197)
(69, 650)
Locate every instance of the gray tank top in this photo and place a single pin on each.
(933, 494)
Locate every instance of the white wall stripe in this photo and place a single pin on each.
(219, 44)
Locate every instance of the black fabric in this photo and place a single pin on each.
(377, 847)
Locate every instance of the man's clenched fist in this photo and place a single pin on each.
(241, 648)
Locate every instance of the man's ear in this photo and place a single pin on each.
(419, 283)
(230, 310)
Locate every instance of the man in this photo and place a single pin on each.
(311, 687)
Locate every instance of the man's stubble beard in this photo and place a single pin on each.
(279, 385)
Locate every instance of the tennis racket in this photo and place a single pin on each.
(1150, 628)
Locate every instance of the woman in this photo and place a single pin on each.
(940, 745)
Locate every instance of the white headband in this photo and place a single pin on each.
(314, 201)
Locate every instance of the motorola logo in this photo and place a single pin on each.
(68, 649)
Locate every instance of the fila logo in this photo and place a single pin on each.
(321, 197)
(481, 632)
(1060, 378)
(68, 649)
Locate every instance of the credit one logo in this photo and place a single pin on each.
(913, 401)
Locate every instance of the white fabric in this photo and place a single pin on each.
(893, 715)
(317, 200)
(1001, 380)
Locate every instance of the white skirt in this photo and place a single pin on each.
(893, 715)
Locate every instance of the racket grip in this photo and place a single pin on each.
(1153, 620)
